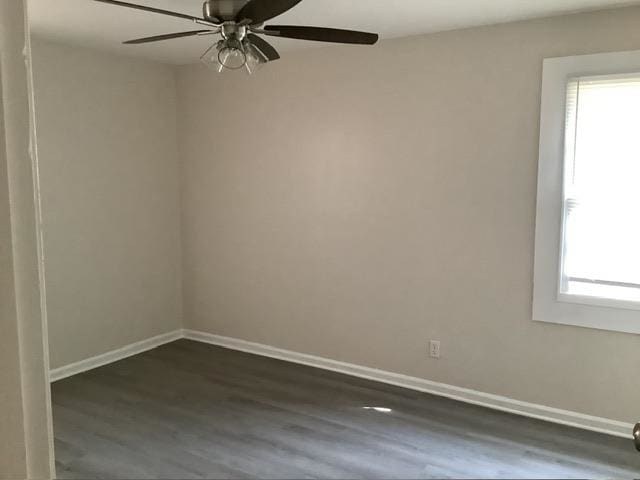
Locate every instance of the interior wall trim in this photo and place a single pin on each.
(114, 355)
(474, 397)
(495, 402)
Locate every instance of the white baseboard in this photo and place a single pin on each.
(496, 402)
(114, 355)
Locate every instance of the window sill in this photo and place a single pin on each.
(588, 315)
(598, 301)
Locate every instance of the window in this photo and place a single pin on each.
(601, 217)
(587, 262)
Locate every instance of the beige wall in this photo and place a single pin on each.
(110, 193)
(25, 421)
(354, 203)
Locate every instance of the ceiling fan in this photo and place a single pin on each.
(240, 22)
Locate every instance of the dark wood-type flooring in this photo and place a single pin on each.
(190, 410)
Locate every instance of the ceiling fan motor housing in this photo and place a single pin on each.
(209, 11)
(220, 10)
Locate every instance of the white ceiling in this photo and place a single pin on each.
(103, 26)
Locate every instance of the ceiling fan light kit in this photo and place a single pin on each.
(240, 26)
(234, 51)
(233, 55)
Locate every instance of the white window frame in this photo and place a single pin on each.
(549, 304)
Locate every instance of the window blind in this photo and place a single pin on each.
(601, 234)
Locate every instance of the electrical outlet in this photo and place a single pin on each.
(434, 348)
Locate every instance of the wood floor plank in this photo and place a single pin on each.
(189, 410)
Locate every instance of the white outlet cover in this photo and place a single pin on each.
(434, 348)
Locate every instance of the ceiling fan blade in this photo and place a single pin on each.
(259, 11)
(265, 47)
(319, 34)
(150, 9)
(168, 36)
